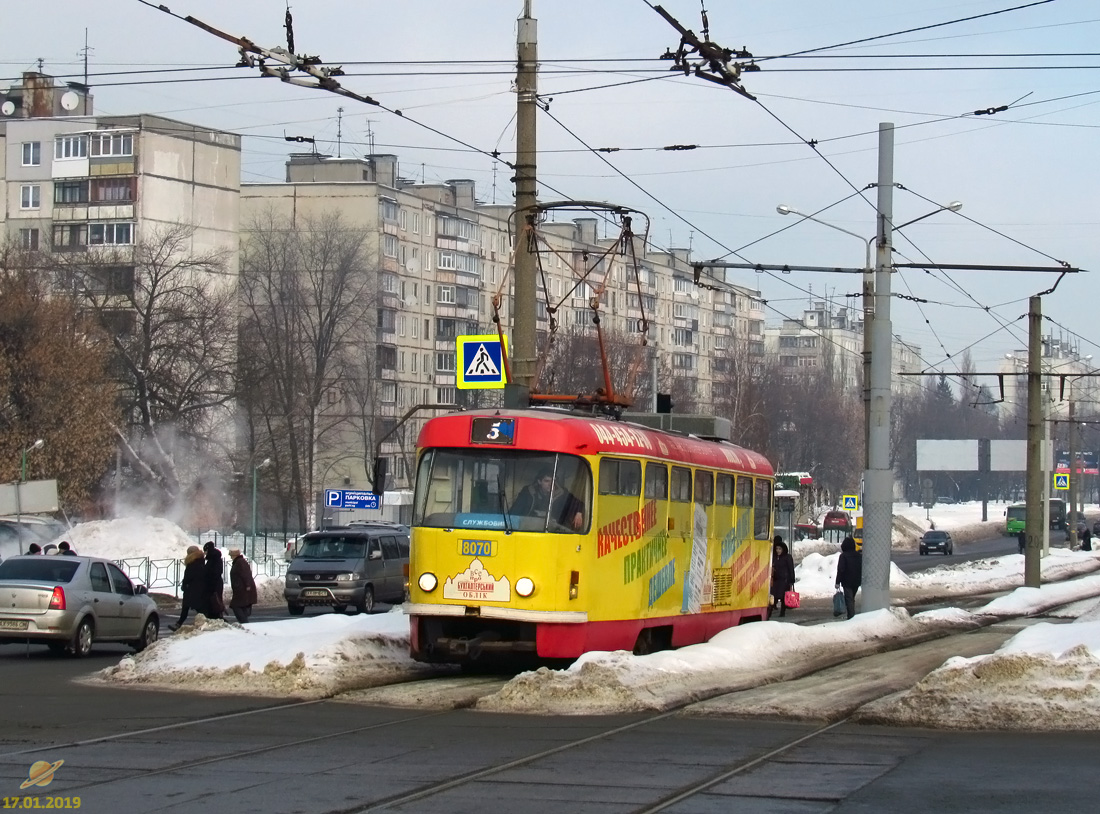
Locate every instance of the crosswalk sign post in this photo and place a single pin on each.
(480, 361)
(1061, 481)
(850, 503)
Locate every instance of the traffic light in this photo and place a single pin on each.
(664, 402)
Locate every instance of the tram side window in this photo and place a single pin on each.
(762, 511)
(681, 485)
(744, 492)
(704, 487)
(656, 482)
(620, 477)
(723, 490)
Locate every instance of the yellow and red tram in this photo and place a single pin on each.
(546, 533)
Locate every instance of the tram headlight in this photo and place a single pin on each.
(427, 582)
(525, 586)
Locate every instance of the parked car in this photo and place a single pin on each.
(69, 603)
(945, 501)
(937, 541)
(354, 566)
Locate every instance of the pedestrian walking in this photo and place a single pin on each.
(243, 586)
(214, 576)
(782, 574)
(1086, 537)
(193, 584)
(849, 573)
(1021, 541)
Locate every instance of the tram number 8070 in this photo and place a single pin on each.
(477, 548)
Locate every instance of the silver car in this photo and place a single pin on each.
(67, 603)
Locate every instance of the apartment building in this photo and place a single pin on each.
(76, 182)
(442, 257)
(830, 337)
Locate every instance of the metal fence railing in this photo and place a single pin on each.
(164, 575)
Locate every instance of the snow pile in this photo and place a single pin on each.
(129, 538)
(737, 658)
(269, 591)
(302, 657)
(816, 575)
(1047, 677)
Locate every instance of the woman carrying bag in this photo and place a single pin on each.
(782, 576)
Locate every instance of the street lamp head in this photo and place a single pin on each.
(783, 209)
(263, 463)
(38, 444)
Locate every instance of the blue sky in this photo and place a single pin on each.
(1028, 173)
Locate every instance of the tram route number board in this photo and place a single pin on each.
(493, 431)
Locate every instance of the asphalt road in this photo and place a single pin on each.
(134, 750)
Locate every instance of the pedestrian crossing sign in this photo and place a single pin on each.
(1061, 481)
(851, 503)
(481, 362)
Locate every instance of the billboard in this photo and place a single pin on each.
(1086, 463)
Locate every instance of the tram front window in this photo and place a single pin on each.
(511, 491)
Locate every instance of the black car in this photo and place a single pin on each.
(937, 541)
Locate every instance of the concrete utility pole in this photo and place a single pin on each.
(878, 507)
(1034, 443)
(1071, 510)
(517, 393)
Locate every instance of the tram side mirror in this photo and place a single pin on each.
(378, 481)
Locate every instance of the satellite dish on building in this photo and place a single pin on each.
(7, 108)
(412, 265)
(70, 100)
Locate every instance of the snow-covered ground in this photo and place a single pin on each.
(1046, 677)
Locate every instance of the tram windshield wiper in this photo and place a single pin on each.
(504, 508)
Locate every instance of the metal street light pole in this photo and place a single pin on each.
(23, 479)
(255, 471)
(23, 468)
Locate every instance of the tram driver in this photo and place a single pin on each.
(541, 498)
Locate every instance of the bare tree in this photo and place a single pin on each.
(170, 313)
(308, 296)
(54, 384)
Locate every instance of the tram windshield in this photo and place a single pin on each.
(509, 490)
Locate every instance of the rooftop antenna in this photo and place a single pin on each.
(494, 182)
(41, 63)
(84, 51)
(370, 138)
(339, 130)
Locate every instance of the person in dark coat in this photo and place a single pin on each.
(849, 573)
(65, 549)
(782, 574)
(34, 548)
(213, 572)
(242, 585)
(1021, 541)
(193, 584)
(541, 498)
(1085, 536)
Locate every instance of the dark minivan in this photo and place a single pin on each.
(356, 565)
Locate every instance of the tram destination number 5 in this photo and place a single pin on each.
(493, 431)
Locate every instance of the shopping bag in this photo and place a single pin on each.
(838, 604)
(790, 599)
